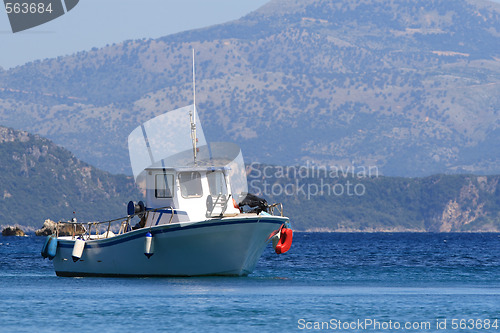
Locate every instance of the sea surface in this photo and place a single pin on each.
(329, 282)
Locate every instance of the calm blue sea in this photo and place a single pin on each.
(326, 282)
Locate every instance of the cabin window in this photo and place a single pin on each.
(164, 185)
(190, 183)
(216, 183)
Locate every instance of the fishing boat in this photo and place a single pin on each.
(197, 218)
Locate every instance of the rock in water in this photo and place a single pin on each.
(13, 231)
(49, 227)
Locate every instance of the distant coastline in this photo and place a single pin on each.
(437, 203)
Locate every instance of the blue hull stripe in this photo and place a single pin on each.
(163, 229)
(169, 211)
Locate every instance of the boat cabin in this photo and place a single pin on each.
(192, 194)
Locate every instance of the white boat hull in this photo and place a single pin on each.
(227, 246)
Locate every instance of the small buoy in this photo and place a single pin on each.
(78, 249)
(45, 247)
(52, 248)
(49, 249)
(285, 241)
(148, 245)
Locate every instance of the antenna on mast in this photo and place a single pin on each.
(192, 116)
(194, 85)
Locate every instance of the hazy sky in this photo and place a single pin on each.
(95, 23)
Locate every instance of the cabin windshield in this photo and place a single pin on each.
(164, 183)
(190, 183)
(216, 183)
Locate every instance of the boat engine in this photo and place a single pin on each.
(254, 203)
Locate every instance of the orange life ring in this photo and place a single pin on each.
(285, 241)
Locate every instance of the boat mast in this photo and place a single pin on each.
(192, 116)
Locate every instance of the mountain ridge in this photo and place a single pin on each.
(409, 86)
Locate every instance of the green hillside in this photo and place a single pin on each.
(366, 201)
(39, 180)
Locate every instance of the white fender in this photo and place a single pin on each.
(78, 249)
(275, 239)
(149, 247)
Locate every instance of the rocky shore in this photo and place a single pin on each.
(13, 231)
(49, 227)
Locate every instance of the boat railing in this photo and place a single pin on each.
(276, 208)
(85, 229)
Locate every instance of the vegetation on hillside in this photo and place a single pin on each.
(409, 86)
(39, 180)
(364, 201)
